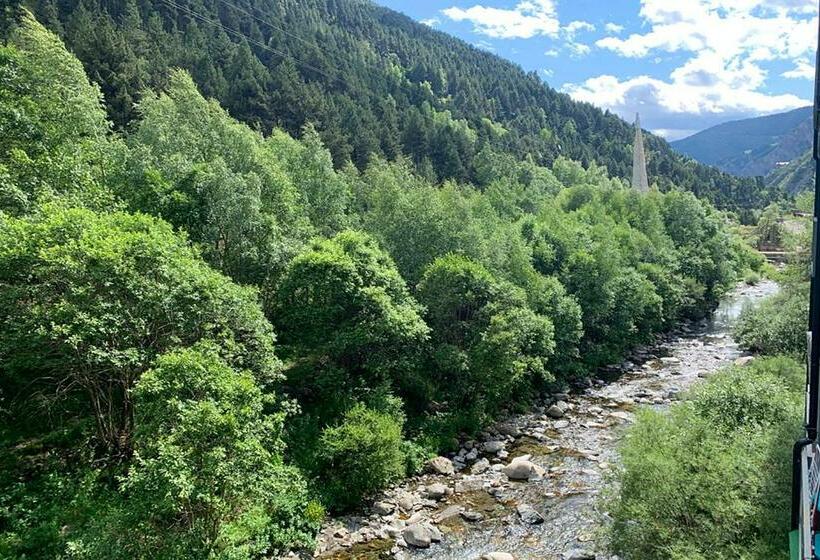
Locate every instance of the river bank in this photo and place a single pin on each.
(529, 487)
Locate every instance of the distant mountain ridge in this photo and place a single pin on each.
(752, 147)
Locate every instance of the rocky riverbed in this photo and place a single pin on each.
(529, 487)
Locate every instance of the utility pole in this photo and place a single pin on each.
(639, 180)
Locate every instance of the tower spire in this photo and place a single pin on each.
(639, 179)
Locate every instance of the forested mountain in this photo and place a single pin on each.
(794, 177)
(371, 80)
(752, 147)
(209, 336)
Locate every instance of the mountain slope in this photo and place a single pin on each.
(795, 177)
(371, 79)
(751, 147)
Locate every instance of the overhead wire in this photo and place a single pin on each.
(269, 24)
(199, 16)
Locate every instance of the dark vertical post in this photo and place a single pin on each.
(814, 294)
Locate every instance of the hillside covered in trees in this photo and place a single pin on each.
(372, 81)
(209, 336)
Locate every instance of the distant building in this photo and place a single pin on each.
(640, 182)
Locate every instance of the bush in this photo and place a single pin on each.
(208, 480)
(343, 306)
(711, 478)
(488, 344)
(751, 278)
(360, 456)
(776, 326)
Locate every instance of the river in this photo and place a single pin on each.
(486, 512)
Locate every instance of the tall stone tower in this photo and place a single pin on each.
(639, 180)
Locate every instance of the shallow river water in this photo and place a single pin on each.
(576, 452)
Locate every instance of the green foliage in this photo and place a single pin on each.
(53, 128)
(201, 170)
(360, 456)
(769, 229)
(207, 480)
(88, 301)
(710, 478)
(752, 278)
(488, 344)
(343, 306)
(778, 325)
(377, 83)
(165, 425)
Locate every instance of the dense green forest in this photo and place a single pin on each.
(209, 336)
(373, 82)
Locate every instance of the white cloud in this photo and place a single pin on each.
(573, 27)
(672, 134)
(803, 69)
(527, 19)
(727, 45)
(547, 72)
(614, 28)
(431, 22)
(552, 53)
(578, 49)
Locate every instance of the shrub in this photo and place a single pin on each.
(778, 325)
(360, 456)
(343, 306)
(751, 278)
(711, 478)
(208, 480)
(488, 343)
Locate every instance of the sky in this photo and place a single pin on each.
(685, 65)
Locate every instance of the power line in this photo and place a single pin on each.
(277, 52)
(269, 24)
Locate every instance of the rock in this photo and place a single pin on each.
(418, 535)
(469, 486)
(561, 424)
(471, 516)
(448, 512)
(528, 514)
(480, 466)
(670, 361)
(579, 554)
(417, 517)
(472, 455)
(620, 415)
(744, 361)
(521, 469)
(555, 411)
(384, 508)
(441, 465)
(509, 430)
(406, 502)
(498, 556)
(392, 532)
(435, 491)
(493, 446)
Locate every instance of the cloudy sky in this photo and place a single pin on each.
(684, 64)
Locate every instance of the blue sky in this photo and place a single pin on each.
(684, 64)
